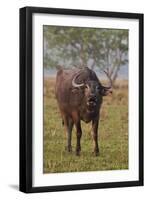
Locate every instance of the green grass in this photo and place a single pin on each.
(113, 135)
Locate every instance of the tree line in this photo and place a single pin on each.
(106, 49)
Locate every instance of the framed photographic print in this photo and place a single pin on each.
(81, 99)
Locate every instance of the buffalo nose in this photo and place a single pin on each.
(92, 97)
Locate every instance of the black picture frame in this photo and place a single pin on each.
(26, 75)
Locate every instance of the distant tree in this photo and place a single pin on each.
(106, 49)
(113, 53)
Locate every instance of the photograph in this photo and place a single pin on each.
(81, 99)
(85, 111)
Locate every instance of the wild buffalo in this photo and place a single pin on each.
(79, 95)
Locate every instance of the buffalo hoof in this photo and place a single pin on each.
(96, 153)
(77, 153)
(68, 148)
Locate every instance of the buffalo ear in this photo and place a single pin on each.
(105, 91)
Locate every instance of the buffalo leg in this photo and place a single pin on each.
(95, 136)
(79, 134)
(68, 123)
(69, 135)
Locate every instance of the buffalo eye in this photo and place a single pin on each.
(97, 88)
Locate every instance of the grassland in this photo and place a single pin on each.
(113, 135)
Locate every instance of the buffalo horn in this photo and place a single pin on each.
(74, 84)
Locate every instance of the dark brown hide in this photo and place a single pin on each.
(79, 103)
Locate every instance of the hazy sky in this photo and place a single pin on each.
(123, 73)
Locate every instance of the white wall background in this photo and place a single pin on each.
(9, 87)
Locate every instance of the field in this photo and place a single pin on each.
(113, 135)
